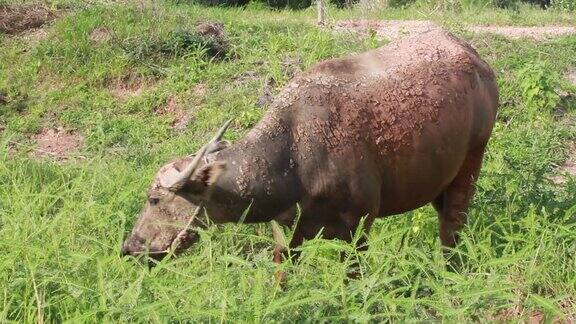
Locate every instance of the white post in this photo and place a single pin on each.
(321, 8)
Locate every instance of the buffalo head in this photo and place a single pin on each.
(174, 200)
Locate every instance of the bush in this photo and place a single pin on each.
(292, 4)
(207, 37)
(564, 4)
(538, 88)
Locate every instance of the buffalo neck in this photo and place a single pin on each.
(260, 176)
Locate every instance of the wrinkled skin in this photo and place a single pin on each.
(372, 135)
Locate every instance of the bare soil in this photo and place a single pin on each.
(210, 29)
(171, 108)
(19, 18)
(128, 86)
(536, 33)
(200, 90)
(56, 143)
(389, 29)
(100, 35)
(394, 29)
(214, 30)
(571, 75)
(33, 36)
(568, 168)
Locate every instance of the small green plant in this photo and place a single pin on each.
(372, 38)
(568, 5)
(538, 88)
(177, 43)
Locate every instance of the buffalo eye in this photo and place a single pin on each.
(153, 200)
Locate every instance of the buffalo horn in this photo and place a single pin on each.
(181, 179)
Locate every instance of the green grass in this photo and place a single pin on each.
(61, 224)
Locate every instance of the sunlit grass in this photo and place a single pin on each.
(61, 224)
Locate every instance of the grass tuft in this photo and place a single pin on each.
(61, 224)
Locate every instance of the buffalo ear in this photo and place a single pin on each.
(207, 175)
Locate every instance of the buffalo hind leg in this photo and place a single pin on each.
(452, 204)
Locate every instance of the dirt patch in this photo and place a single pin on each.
(16, 19)
(394, 29)
(507, 314)
(568, 168)
(214, 31)
(571, 76)
(200, 90)
(100, 35)
(56, 143)
(389, 29)
(171, 108)
(128, 86)
(210, 29)
(517, 313)
(196, 95)
(35, 35)
(537, 33)
(536, 317)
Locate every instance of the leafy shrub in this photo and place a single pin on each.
(564, 4)
(538, 88)
(177, 43)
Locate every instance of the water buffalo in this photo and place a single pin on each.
(371, 135)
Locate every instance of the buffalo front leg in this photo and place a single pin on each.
(280, 249)
(452, 204)
(283, 251)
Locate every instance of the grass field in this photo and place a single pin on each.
(62, 222)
